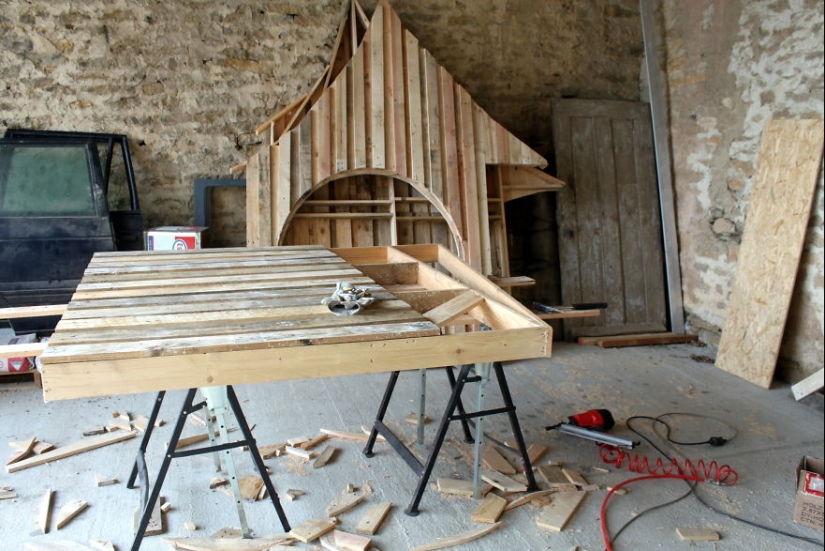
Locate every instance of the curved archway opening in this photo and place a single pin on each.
(369, 209)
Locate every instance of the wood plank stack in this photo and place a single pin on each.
(387, 148)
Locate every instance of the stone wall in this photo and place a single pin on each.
(731, 66)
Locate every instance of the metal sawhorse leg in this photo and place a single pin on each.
(217, 400)
(454, 405)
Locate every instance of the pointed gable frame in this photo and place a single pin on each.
(383, 112)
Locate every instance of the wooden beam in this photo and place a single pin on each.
(32, 311)
(808, 385)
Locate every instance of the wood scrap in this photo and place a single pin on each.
(217, 482)
(263, 543)
(557, 514)
(311, 530)
(189, 526)
(165, 507)
(493, 460)
(351, 542)
(697, 534)
(298, 452)
(574, 477)
(371, 522)
(490, 509)
(250, 487)
(535, 452)
(810, 384)
(297, 441)
(458, 539)
(309, 444)
(81, 446)
(268, 452)
(105, 481)
(293, 494)
(460, 487)
(503, 483)
(141, 423)
(42, 447)
(358, 437)
(522, 500)
(324, 457)
(22, 450)
(70, 511)
(93, 431)
(328, 543)
(44, 514)
(7, 494)
(56, 545)
(344, 503)
(102, 545)
(553, 476)
(155, 525)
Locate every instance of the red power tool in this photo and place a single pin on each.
(592, 424)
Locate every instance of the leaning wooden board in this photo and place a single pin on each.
(790, 160)
(148, 321)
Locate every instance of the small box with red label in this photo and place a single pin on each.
(18, 364)
(808, 505)
(175, 238)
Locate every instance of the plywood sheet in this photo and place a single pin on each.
(780, 201)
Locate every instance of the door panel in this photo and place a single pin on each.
(610, 237)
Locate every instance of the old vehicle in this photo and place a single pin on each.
(63, 197)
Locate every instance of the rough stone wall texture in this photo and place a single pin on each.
(190, 80)
(732, 65)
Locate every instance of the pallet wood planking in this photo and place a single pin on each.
(149, 321)
(385, 149)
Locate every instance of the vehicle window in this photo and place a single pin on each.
(39, 180)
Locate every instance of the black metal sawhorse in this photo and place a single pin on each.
(453, 404)
(149, 499)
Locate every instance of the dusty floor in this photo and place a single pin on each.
(773, 433)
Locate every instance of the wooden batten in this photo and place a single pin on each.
(385, 112)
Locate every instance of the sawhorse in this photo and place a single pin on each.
(454, 404)
(218, 401)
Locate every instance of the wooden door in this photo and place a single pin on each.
(610, 233)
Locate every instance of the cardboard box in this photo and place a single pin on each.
(175, 238)
(18, 364)
(808, 505)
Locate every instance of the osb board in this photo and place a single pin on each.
(149, 321)
(780, 205)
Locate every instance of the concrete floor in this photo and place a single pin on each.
(774, 432)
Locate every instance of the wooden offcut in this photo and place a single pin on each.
(81, 446)
(779, 210)
(557, 514)
(697, 534)
(311, 530)
(371, 522)
(70, 511)
(459, 539)
(344, 503)
(490, 509)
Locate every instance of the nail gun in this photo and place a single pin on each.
(592, 425)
